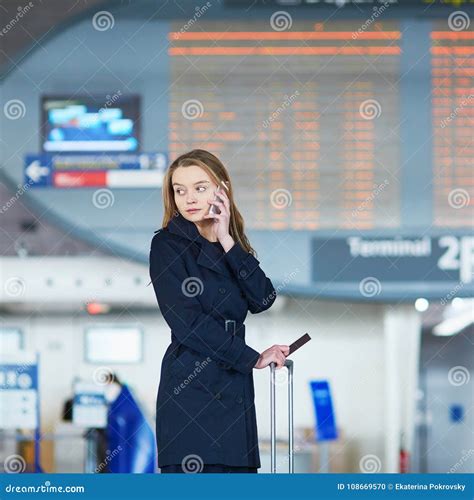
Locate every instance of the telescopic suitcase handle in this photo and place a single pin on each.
(291, 466)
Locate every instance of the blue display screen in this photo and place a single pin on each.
(89, 124)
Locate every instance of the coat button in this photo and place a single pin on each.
(239, 399)
(221, 290)
(218, 395)
(243, 273)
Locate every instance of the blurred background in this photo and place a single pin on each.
(347, 129)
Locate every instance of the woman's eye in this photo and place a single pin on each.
(201, 187)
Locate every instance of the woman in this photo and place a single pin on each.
(206, 278)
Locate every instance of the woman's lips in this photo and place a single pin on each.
(193, 210)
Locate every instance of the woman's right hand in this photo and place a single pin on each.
(275, 354)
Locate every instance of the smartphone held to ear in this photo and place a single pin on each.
(214, 209)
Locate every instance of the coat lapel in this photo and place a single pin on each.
(209, 256)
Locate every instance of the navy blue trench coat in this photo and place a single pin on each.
(205, 409)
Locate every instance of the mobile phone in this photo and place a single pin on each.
(214, 209)
(298, 343)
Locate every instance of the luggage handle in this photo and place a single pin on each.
(291, 466)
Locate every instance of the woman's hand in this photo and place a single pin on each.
(274, 354)
(221, 221)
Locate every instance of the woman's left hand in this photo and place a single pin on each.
(221, 221)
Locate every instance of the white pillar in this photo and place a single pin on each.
(402, 336)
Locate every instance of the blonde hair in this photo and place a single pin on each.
(217, 172)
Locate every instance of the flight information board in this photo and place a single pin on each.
(452, 54)
(306, 120)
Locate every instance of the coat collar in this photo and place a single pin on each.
(209, 256)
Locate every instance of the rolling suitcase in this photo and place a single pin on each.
(291, 464)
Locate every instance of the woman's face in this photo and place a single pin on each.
(192, 187)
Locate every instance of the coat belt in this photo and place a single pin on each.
(235, 327)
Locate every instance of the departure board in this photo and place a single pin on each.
(306, 120)
(452, 54)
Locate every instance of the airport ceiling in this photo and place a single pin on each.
(25, 36)
(46, 18)
(27, 33)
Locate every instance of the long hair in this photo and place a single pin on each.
(217, 172)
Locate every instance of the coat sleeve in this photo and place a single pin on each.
(184, 315)
(253, 281)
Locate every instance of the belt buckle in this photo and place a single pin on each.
(230, 326)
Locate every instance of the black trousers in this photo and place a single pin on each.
(177, 468)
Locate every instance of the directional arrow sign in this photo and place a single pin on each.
(38, 170)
